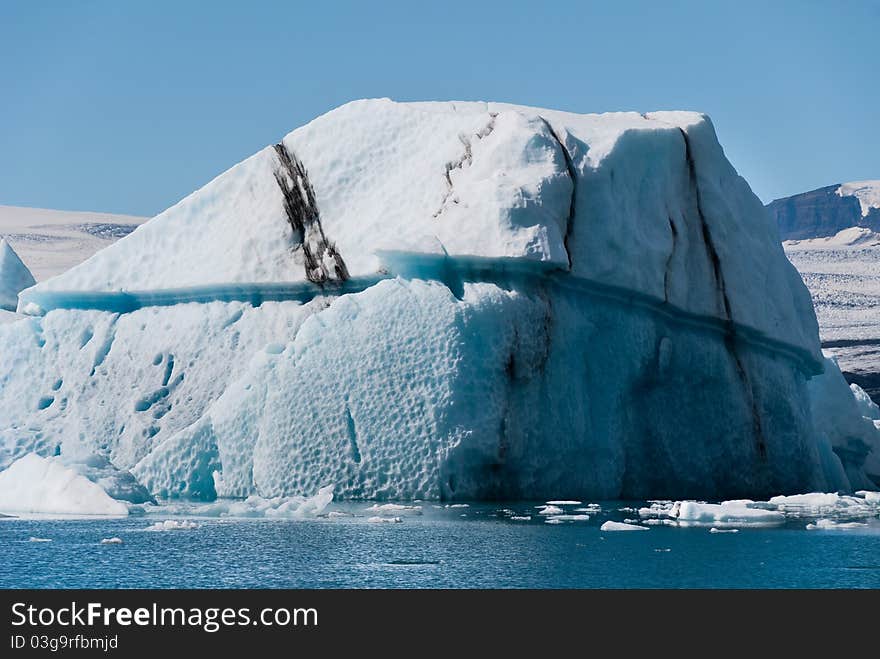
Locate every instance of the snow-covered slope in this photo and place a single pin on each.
(456, 300)
(843, 275)
(51, 242)
(14, 277)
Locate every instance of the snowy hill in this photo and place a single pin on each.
(827, 211)
(51, 242)
(445, 300)
(843, 275)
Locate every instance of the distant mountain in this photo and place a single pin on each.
(827, 211)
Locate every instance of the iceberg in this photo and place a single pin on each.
(42, 485)
(14, 277)
(443, 301)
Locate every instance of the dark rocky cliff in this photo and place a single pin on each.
(819, 213)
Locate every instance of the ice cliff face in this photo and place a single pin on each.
(441, 300)
(828, 211)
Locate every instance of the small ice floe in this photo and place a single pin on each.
(292, 507)
(664, 549)
(111, 541)
(563, 502)
(824, 505)
(552, 520)
(715, 529)
(571, 518)
(739, 513)
(520, 518)
(831, 525)
(869, 497)
(656, 509)
(459, 505)
(590, 508)
(392, 508)
(621, 526)
(336, 514)
(383, 520)
(33, 539)
(549, 510)
(658, 522)
(172, 525)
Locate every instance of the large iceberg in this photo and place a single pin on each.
(441, 301)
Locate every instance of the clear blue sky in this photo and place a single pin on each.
(129, 106)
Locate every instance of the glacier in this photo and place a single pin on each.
(443, 301)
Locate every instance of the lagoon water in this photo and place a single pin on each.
(462, 547)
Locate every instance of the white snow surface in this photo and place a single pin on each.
(867, 192)
(51, 242)
(503, 266)
(33, 484)
(484, 180)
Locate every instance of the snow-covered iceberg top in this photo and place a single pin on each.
(641, 203)
(867, 192)
(33, 484)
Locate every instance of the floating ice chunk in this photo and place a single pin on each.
(659, 521)
(391, 508)
(657, 509)
(564, 502)
(831, 525)
(552, 520)
(621, 526)
(172, 525)
(571, 518)
(726, 513)
(460, 505)
(664, 549)
(294, 507)
(828, 505)
(33, 484)
(33, 539)
(336, 514)
(549, 510)
(111, 541)
(869, 497)
(715, 529)
(520, 518)
(380, 520)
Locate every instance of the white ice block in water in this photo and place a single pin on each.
(42, 485)
(621, 526)
(444, 301)
(725, 514)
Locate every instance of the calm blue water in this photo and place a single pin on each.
(439, 549)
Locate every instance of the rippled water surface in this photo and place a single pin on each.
(434, 547)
